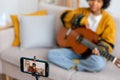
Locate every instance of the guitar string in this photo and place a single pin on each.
(90, 45)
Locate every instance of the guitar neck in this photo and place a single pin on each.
(91, 46)
(106, 55)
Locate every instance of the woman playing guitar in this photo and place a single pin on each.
(97, 20)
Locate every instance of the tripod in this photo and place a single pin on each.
(36, 76)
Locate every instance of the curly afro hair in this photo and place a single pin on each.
(106, 3)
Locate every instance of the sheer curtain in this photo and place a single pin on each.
(48, 1)
(68, 3)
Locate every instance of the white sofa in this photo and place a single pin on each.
(10, 56)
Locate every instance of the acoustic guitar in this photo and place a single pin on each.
(82, 39)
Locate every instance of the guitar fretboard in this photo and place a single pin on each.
(91, 46)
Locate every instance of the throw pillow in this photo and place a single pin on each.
(37, 31)
(15, 22)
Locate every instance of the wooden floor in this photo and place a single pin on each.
(5, 77)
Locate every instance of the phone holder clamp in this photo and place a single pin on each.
(36, 74)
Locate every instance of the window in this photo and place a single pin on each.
(68, 3)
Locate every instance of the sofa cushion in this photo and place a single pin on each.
(110, 72)
(116, 51)
(12, 55)
(56, 10)
(6, 38)
(37, 31)
(15, 22)
(57, 73)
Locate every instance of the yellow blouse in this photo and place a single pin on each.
(106, 28)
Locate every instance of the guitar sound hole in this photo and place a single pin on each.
(79, 38)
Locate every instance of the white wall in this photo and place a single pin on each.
(17, 6)
(114, 6)
(27, 6)
(8, 6)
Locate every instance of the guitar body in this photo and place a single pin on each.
(71, 41)
(90, 38)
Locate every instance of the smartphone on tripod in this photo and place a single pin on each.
(34, 66)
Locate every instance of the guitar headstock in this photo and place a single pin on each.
(117, 62)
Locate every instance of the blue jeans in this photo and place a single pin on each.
(63, 57)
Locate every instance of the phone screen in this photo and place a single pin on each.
(34, 66)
